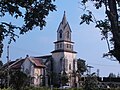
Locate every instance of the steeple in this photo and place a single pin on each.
(64, 42)
(64, 30)
(64, 20)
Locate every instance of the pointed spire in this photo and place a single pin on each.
(64, 20)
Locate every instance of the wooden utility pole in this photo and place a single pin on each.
(8, 76)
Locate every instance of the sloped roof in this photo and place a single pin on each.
(17, 64)
(44, 57)
(64, 23)
(37, 62)
(5, 66)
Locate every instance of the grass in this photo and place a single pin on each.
(45, 88)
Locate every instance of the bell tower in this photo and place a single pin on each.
(64, 55)
(64, 42)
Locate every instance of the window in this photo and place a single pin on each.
(60, 45)
(67, 45)
(68, 34)
(69, 66)
(60, 33)
(57, 45)
(66, 64)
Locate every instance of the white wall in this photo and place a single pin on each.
(69, 56)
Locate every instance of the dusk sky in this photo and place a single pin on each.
(87, 39)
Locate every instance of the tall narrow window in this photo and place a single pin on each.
(60, 33)
(57, 46)
(60, 45)
(69, 66)
(68, 34)
(67, 45)
(66, 64)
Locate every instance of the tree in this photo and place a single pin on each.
(112, 75)
(110, 26)
(1, 63)
(81, 66)
(91, 82)
(64, 78)
(32, 12)
(3, 77)
(18, 80)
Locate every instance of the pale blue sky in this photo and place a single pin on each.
(87, 39)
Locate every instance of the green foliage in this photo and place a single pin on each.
(6, 89)
(64, 78)
(45, 88)
(86, 18)
(36, 88)
(18, 80)
(112, 75)
(81, 66)
(109, 25)
(32, 12)
(91, 82)
(1, 63)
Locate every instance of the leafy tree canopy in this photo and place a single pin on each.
(1, 64)
(112, 75)
(33, 13)
(110, 26)
(91, 82)
(18, 80)
(64, 78)
(81, 66)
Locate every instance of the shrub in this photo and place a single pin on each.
(6, 89)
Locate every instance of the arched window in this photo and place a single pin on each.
(60, 33)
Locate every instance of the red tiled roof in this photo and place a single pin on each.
(37, 62)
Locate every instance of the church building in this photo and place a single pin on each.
(56, 69)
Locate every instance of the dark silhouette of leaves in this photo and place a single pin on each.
(33, 13)
(110, 27)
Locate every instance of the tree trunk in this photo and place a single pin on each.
(1, 42)
(113, 17)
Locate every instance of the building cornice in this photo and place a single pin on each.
(63, 41)
(63, 51)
